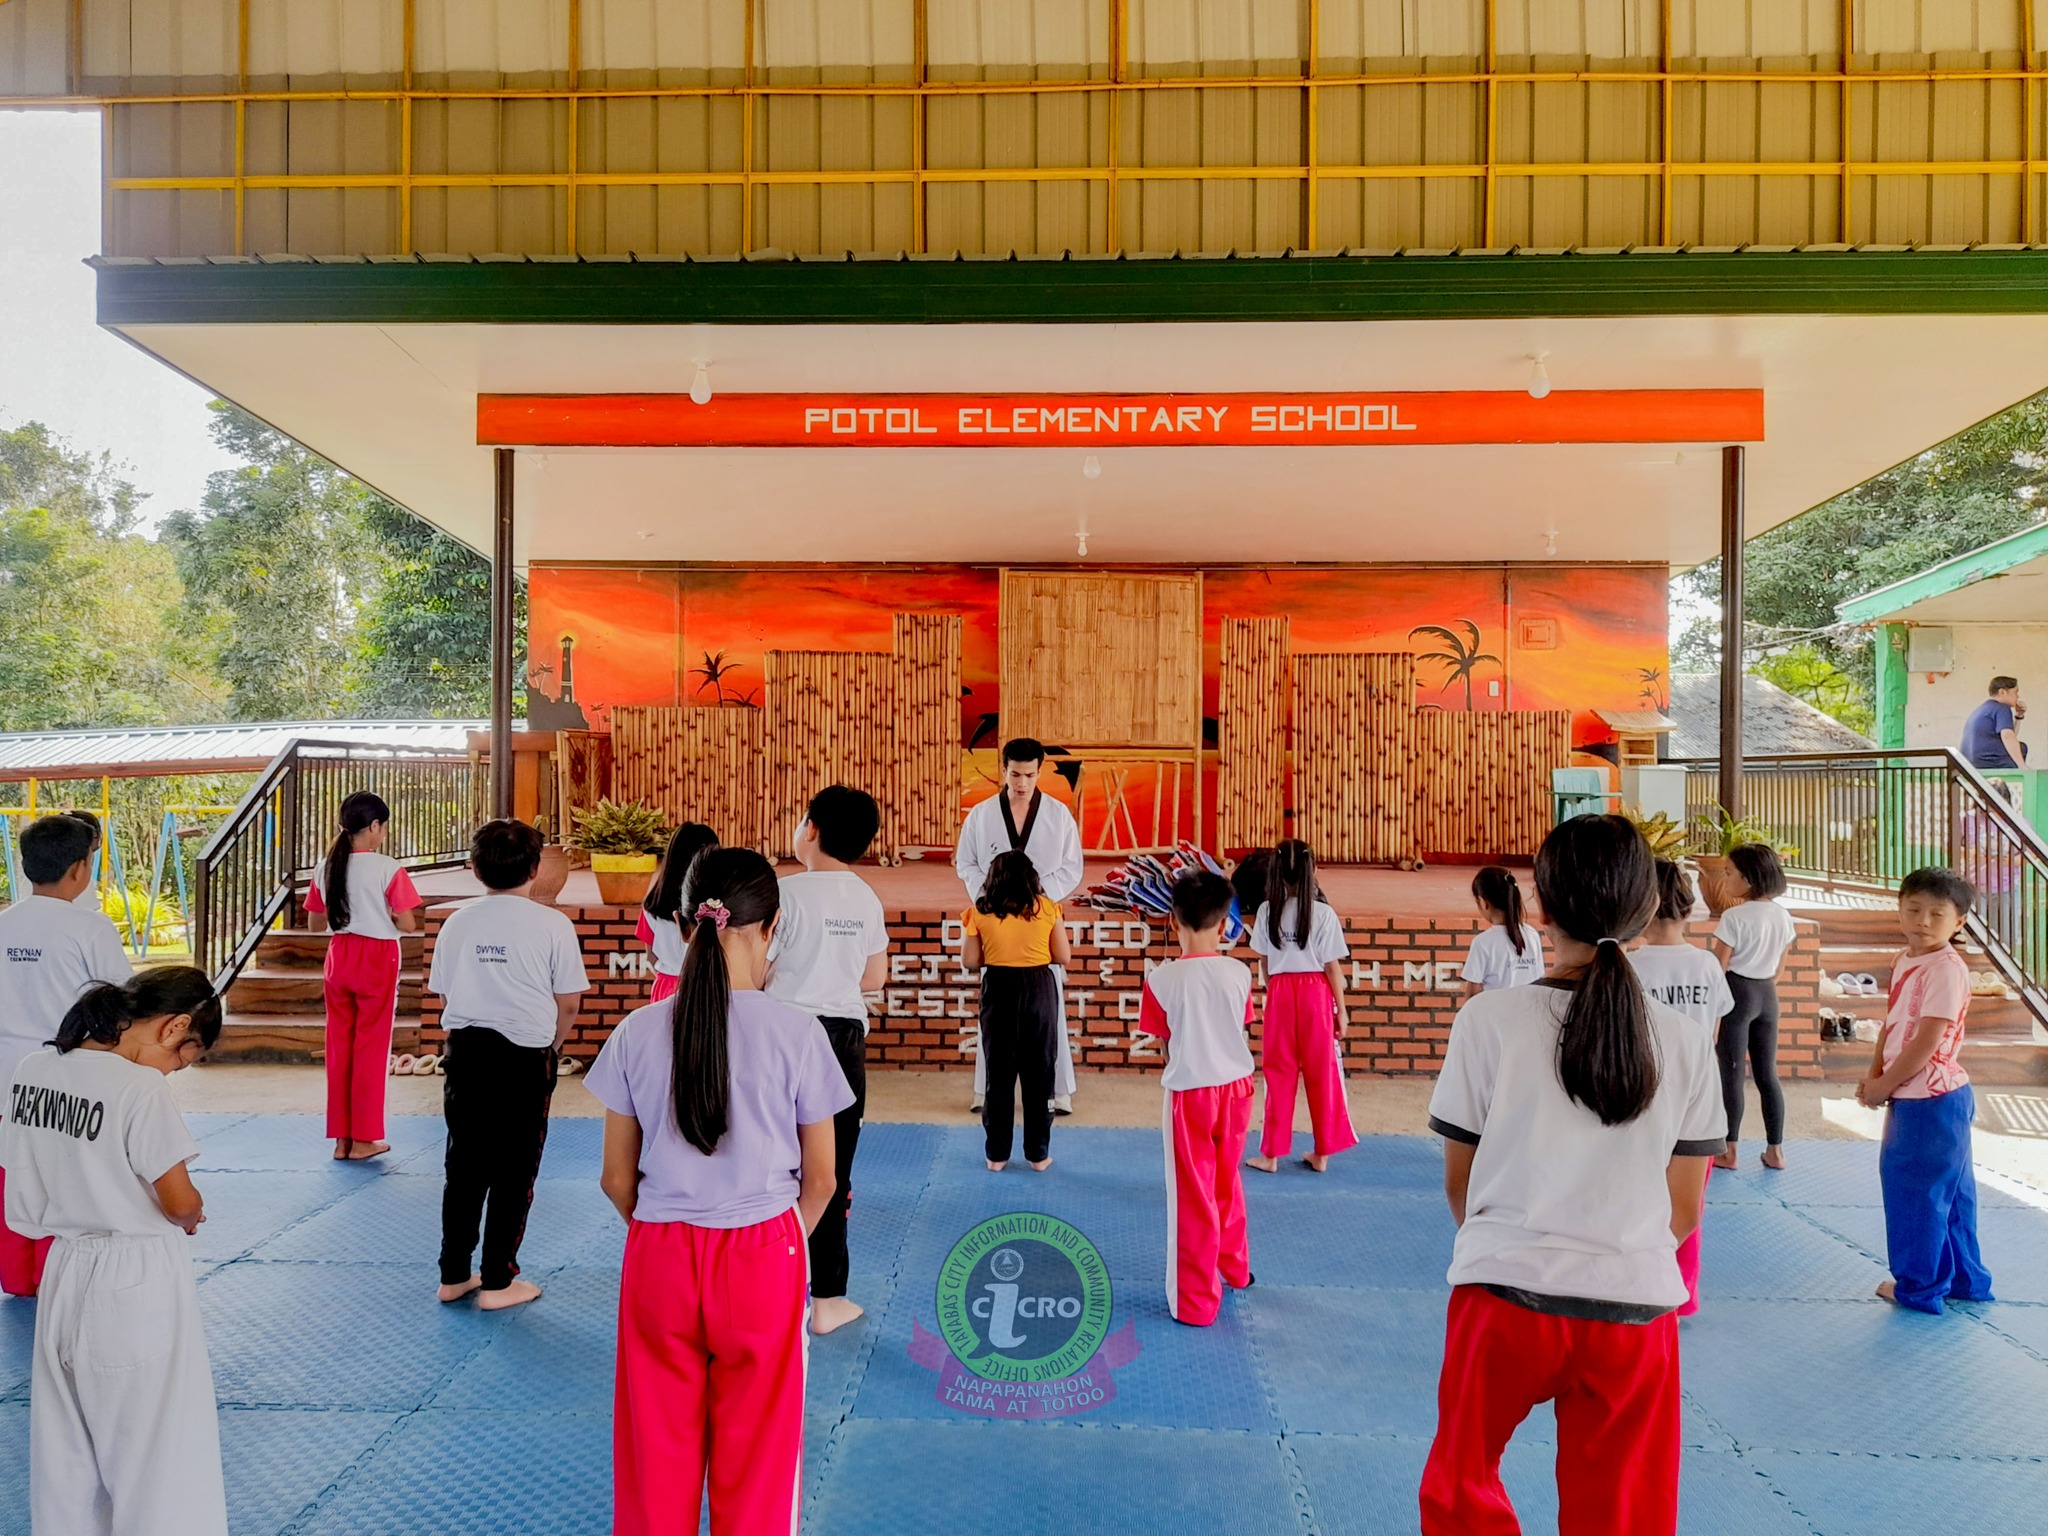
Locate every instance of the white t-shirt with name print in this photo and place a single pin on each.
(1684, 977)
(50, 952)
(1326, 940)
(1493, 963)
(377, 886)
(1199, 1005)
(1757, 933)
(87, 1134)
(500, 962)
(1559, 1204)
(831, 925)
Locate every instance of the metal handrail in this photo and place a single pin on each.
(1864, 820)
(250, 871)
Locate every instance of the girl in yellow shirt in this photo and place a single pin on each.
(1014, 935)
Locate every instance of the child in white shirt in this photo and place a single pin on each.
(1199, 1005)
(1508, 952)
(663, 927)
(1687, 979)
(831, 949)
(1750, 943)
(122, 1428)
(1302, 940)
(51, 949)
(1578, 1117)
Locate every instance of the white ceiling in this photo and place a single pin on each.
(1844, 399)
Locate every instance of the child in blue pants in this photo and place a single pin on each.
(1930, 1189)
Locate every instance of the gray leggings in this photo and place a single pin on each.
(1752, 1026)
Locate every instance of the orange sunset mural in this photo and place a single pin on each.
(1575, 637)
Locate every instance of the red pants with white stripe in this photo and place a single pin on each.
(361, 988)
(1616, 1390)
(1300, 1042)
(1205, 1238)
(21, 1258)
(713, 1349)
(1689, 1256)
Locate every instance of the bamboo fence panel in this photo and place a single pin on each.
(1354, 735)
(583, 775)
(1251, 734)
(702, 764)
(926, 793)
(1103, 658)
(1482, 781)
(831, 720)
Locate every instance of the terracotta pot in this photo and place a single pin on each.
(554, 874)
(1720, 886)
(622, 878)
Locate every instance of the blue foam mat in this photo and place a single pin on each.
(352, 1402)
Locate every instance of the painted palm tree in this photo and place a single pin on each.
(1652, 693)
(1461, 655)
(714, 671)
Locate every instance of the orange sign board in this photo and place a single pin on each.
(1244, 420)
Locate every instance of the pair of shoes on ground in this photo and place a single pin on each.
(415, 1066)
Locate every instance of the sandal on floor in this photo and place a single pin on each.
(427, 1066)
(568, 1066)
(404, 1066)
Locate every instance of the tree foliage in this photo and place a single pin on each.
(424, 635)
(1982, 484)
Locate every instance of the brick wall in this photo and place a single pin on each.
(1404, 991)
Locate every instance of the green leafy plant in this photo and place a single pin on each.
(613, 828)
(1666, 837)
(1723, 834)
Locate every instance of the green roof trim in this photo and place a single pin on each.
(1951, 575)
(781, 291)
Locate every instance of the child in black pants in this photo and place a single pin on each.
(1014, 936)
(830, 949)
(511, 974)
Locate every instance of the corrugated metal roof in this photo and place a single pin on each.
(1773, 720)
(175, 748)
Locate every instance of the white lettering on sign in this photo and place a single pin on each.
(1284, 419)
(854, 421)
(618, 963)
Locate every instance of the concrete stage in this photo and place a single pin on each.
(352, 1405)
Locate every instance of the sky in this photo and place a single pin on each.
(56, 366)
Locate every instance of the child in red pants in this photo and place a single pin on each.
(1199, 1005)
(1303, 942)
(718, 1151)
(366, 900)
(1578, 1118)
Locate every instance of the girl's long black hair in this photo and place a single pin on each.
(104, 1011)
(1497, 887)
(743, 883)
(1597, 882)
(1674, 892)
(1012, 888)
(665, 896)
(359, 811)
(1292, 877)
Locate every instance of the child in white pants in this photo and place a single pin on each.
(123, 1440)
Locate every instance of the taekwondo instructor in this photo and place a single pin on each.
(1023, 816)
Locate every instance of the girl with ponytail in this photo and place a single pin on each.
(1578, 1116)
(365, 900)
(122, 1430)
(664, 927)
(1303, 942)
(1507, 952)
(718, 1152)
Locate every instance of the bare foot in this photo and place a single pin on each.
(1888, 1291)
(1728, 1159)
(1774, 1157)
(517, 1294)
(1042, 1166)
(457, 1292)
(341, 1146)
(831, 1313)
(997, 1167)
(1263, 1164)
(1317, 1162)
(367, 1149)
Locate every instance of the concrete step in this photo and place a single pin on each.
(1997, 1064)
(263, 989)
(301, 949)
(292, 1038)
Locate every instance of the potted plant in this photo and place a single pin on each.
(554, 865)
(1723, 834)
(624, 843)
(1665, 836)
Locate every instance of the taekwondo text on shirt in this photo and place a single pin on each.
(87, 1134)
(501, 962)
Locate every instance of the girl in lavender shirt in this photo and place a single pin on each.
(718, 1151)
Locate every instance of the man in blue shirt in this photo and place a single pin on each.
(1991, 737)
